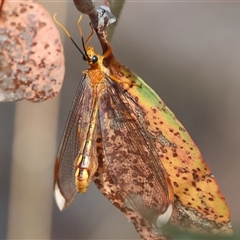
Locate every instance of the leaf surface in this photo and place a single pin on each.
(31, 53)
(199, 204)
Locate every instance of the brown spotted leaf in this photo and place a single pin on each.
(199, 204)
(31, 53)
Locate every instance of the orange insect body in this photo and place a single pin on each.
(86, 163)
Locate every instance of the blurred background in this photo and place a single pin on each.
(188, 52)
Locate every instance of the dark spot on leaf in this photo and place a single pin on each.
(97, 181)
(134, 175)
(135, 161)
(175, 184)
(193, 184)
(34, 44)
(42, 24)
(150, 184)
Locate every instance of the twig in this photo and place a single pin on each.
(100, 18)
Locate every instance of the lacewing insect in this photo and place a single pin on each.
(120, 134)
(102, 114)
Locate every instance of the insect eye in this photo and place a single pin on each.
(94, 59)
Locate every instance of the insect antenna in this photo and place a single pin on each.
(85, 56)
(90, 35)
(81, 34)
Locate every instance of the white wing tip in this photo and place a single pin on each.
(60, 200)
(163, 219)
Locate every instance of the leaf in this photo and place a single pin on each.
(31, 53)
(199, 204)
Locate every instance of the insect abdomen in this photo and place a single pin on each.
(86, 162)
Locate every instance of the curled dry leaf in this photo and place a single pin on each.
(31, 53)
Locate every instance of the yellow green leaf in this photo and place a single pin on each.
(199, 203)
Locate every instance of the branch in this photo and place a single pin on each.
(100, 18)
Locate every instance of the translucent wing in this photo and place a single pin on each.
(140, 181)
(73, 136)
